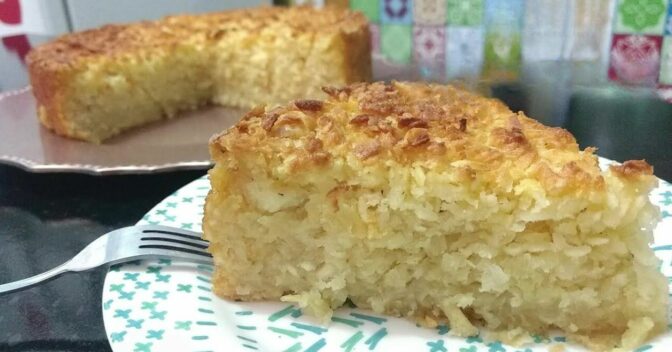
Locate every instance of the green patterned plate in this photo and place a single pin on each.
(166, 305)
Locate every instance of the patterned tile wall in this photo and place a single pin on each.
(448, 38)
(632, 39)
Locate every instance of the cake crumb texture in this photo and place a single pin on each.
(432, 203)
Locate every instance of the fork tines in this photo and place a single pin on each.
(172, 239)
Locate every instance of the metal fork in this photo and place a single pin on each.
(124, 245)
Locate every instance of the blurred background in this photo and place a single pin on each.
(600, 68)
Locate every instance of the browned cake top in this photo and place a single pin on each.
(111, 40)
(438, 127)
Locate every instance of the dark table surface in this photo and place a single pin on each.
(44, 220)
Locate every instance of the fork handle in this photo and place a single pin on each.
(34, 280)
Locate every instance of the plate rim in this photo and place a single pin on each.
(33, 166)
(87, 169)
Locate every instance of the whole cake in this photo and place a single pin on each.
(94, 84)
(430, 202)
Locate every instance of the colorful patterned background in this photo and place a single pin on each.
(628, 41)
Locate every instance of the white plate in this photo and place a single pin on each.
(169, 306)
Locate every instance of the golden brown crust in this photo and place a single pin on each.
(48, 86)
(358, 63)
(632, 169)
(112, 40)
(427, 124)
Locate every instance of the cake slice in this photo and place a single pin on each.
(95, 84)
(429, 202)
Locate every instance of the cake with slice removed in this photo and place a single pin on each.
(95, 84)
(430, 202)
